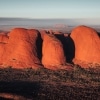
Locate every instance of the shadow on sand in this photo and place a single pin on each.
(48, 85)
(24, 89)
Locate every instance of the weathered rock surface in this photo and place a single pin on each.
(52, 52)
(30, 48)
(3, 41)
(87, 45)
(21, 50)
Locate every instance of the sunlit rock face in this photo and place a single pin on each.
(20, 50)
(30, 48)
(3, 41)
(87, 44)
(52, 52)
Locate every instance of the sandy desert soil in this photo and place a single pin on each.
(44, 84)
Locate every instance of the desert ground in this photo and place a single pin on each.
(44, 84)
(75, 83)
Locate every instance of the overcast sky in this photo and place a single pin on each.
(50, 8)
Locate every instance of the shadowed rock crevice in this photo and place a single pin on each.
(99, 34)
(39, 42)
(68, 46)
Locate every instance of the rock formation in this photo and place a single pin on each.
(21, 50)
(3, 41)
(30, 48)
(52, 52)
(87, 45)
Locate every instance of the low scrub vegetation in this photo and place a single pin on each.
(45, 84)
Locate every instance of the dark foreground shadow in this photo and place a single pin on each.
(24, 89)
(34, 91)
(48, 85)
(68, 45)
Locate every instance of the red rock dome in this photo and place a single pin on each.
(21, 50)
(52, 51)
(87, 44)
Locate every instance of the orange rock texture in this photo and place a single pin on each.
(87, 44)
(21, 51)
(52, 52)
(30, 48)
(3, 41)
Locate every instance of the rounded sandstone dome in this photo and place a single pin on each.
(21, 50)
(52, 51)
(87, 44)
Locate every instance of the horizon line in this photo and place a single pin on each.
(47, 18)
